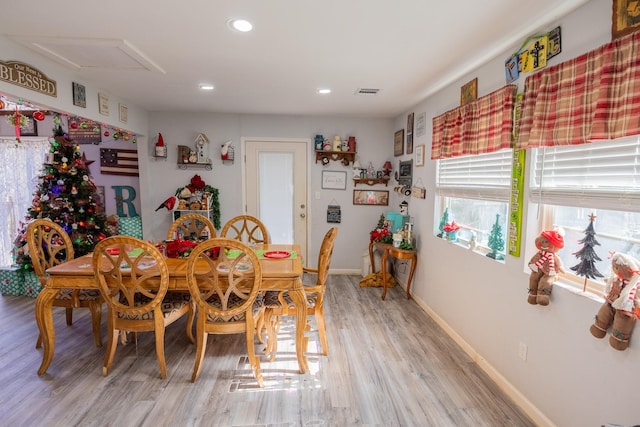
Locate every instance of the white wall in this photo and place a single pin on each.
(374, 143)
(572, 378)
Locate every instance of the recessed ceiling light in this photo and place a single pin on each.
(206, 86)
(240, 25)
(324, 91)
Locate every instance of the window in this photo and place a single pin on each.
(16, 186)
(569, 183)
(473, 190)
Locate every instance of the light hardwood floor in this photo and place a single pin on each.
(389, 364)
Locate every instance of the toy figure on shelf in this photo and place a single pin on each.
(622, 302)
(545, 265)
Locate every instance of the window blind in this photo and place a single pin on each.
(603, 174)
(483, 176)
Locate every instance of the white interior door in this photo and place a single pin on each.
(275, 187)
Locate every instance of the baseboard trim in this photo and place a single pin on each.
(531, 410)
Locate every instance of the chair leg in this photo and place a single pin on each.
(253, 359)
(69, 313)
(96, 318)
(190, 317)
(322, 332)
(159, 330)
(112, 343)
(260, 326)
(201, 345)
(270, 321)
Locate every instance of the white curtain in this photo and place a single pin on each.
(21, 165)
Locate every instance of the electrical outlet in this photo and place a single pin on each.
(522, 351)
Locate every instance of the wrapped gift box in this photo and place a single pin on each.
(11, 281)
(131, 226)
(32, 285)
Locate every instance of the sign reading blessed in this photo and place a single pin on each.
(21, 74)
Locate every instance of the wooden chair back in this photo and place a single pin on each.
(324, 258)
(129, 270)
(133, 277)
(192, 224)
(224, 277)
(49, 245)
(226, 270)
(247, 229)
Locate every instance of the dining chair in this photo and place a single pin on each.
(50, 245)
(247, 229)
(191, 225)
(224, 277)
(279, 303)
(133, 277)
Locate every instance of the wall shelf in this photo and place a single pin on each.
(371, 181)
(345, 157)
(206, 165)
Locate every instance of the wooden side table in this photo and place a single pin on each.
(389, 250)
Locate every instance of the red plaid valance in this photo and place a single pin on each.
(482, 126)
(593, 96)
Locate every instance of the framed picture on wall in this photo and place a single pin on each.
(334, 180)
(371, 197)
(79, 95)
(31, 129)
(419, 155)
(409, 149)
(625, 18)
(398, 142)
(469, 92)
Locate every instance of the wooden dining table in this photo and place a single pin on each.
(283, 274)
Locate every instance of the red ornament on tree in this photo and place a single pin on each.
(106, 133)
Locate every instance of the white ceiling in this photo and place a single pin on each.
(155, 53)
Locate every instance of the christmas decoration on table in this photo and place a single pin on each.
(545, 266)
(381, 233)
(622, 302)
(66, 194)
(180, 248)
(587, 255)
(496, 242)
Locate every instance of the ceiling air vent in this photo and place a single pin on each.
(366, 91)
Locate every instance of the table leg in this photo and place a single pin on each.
(373, 264)
(299, 299)
(413, 267)
(384, 272)
(44, 319)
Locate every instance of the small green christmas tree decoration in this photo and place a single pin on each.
(66, 195)
(587, 255)
(496, 242)
(443, 221)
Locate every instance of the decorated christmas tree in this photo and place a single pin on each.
(587, 255)
(496, 242)
(66, 195)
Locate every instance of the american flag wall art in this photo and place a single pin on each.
(118, 162)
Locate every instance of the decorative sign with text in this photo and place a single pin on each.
(333, 214)
(26, 76)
